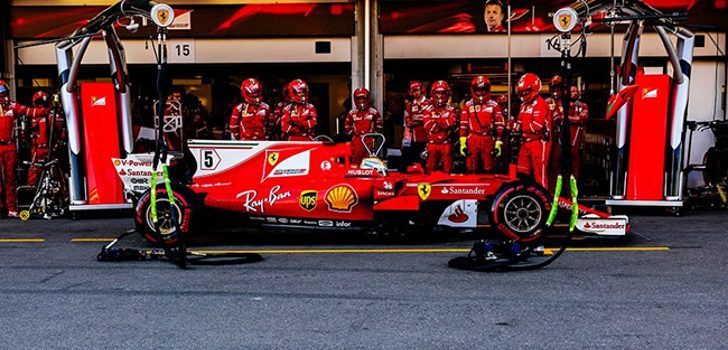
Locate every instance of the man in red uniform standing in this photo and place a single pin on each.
(533, 118)
(40, 121)
(361, 120)
(481, 127)
(9, 112)
(248, 121)
(299, 117)
(439, 119)
(557, 119)
(578, 115)
(414, 122)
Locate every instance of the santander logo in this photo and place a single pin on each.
(604, 226)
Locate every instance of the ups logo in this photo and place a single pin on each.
(308, 200)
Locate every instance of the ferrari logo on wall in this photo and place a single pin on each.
(308, 200)
(273, 158)
(162, 16)
(423, 190)
(564, 21)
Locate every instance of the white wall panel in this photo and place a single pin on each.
(522, 46)
(208, 51)
(270, 50)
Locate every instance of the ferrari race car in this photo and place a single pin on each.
(313, 185)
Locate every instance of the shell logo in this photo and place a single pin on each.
(341, 198)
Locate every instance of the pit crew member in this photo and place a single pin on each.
(299, 117)
(533, 118)
(557, 119)
(439, 119)
(10, 111)
(361, 120)
(248, 121)
(414, 122)
(481, 127)
(578, 115)
(40, 133)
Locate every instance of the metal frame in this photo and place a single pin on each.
(680, 58)
(68, 68)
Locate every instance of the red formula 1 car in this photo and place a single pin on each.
(313, 184)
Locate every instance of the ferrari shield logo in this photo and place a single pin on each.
(162, 16)
(424, 190)
(273, 158)
(564, 21)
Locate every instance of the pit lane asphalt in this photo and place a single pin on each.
(55, 295)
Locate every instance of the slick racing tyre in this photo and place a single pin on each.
(520, 211)
(184, 209)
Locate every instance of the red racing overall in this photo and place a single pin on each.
(557, 119)
(438, 121)
(534, 154)
(248, 122)
(9, 112)
(578, 114)
(40, 124)
(359, 122)
(298, 122)
(482, 124)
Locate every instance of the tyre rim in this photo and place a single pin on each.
(164, 216)
(522, 213)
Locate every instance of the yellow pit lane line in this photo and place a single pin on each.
(92, 240)
(22, 240)
(547, 251)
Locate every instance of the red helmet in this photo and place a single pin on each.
(252, 91)
(440, 92)
(362, 98)
(175, 96)
(41, 99)
(480, 88)
(4, 89)
(556, 80)
(555, 86)
(528, 87)
(502, 99)
(298, 91)
(415, 88)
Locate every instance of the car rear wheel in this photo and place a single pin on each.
(183, 210)
(520, 211)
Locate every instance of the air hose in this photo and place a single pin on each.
(565, 164)
(176, 250)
